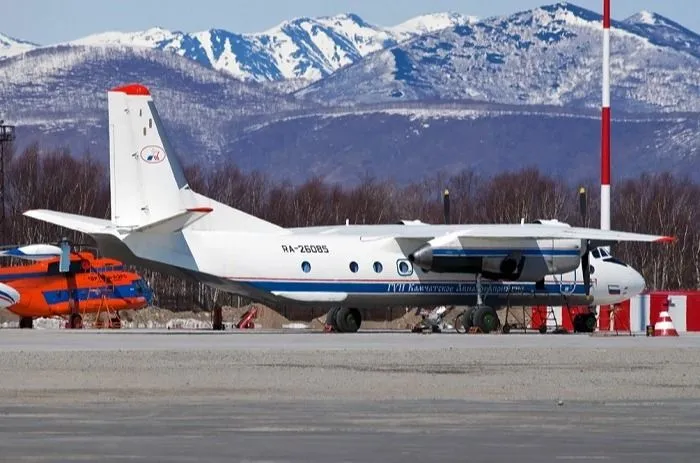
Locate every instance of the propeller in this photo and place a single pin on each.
(586, 257)
(446, 206)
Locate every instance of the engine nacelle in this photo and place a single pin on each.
(516, 265)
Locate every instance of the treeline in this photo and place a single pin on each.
(660, 203)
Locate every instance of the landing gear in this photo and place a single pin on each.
(75, 322)
(26, 323)
(486, 318)
(344, 320)
(481, 316)
(585, 323)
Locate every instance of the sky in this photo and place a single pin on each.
(51, 21)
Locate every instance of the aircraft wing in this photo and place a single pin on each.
(507, 232)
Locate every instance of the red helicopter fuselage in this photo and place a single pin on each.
(91, 284)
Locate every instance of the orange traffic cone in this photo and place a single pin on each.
(664, 325)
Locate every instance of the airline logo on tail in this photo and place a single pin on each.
(153, 154)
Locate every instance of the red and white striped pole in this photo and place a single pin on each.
(605, 146)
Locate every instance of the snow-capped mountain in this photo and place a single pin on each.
(10, 46)
(430, 23)
(303, 48)
(664, 32)
(549, 55)
(59, 95)
(493, 94)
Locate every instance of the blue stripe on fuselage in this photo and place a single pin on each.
(408, 287)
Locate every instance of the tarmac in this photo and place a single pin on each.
(324, 397)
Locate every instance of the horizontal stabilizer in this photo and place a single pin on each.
(176, 222)
(75, 222)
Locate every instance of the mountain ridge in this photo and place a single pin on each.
(496, 94)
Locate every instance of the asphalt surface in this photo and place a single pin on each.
(384, 397)
(393, 431)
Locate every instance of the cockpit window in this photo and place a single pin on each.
(596, 254)
(604, 253)
(615, 261)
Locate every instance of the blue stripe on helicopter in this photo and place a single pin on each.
(121, 291)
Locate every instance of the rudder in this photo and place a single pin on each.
(147, 181)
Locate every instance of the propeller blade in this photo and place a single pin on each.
(64, 262)
(583, 204)
(586, 267)
(446, 206)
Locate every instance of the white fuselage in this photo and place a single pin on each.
(342, 269)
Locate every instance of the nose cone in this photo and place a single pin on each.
(636, 283)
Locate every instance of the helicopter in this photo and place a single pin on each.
(64, 282)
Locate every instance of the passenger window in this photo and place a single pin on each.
(404, 267)
(305, 267)
(378, 267)
(354, 267)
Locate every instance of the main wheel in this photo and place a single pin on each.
(486, 319)
(26, 322)
(459, 324)
(330, 318)
(585, 323)
(75, 321)
(348, 320)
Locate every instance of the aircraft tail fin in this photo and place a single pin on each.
(147, 181)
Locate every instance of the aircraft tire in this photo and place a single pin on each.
(585, 323)
(76, 321)
(26, 323)
(348, 320)
(464, 321)
(331, 318)
(486, 318)
(468, 318)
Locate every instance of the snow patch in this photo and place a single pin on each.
(430, 23)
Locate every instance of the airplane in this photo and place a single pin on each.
(45, 287)
(159, 222)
